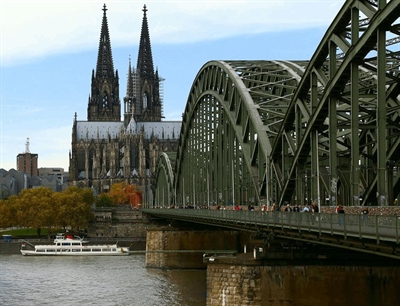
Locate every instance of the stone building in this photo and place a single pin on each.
(106, 149)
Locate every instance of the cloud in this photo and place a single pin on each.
(31, 29)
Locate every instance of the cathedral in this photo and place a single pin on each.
(105, 149)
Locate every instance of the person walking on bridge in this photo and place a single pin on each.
(364, 215)
(340, 212)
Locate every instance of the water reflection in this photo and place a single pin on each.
(96, 280)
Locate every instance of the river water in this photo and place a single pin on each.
(96, 280)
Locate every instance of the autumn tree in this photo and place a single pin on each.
(6, 214)
(75, 207)
(35, 209)
(42, 208)
(122, 193)
(117, 193)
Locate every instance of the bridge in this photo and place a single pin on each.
(324, 130)
(375, 234)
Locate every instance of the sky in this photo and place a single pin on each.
(48, 50)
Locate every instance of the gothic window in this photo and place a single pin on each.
(105, 100)
(129, 105)
(145, 100)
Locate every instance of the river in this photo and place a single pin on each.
(96, 280)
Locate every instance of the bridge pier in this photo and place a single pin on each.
(243, 280)
(175, 248)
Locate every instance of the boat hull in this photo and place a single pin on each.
(67, 245)
(84, 252)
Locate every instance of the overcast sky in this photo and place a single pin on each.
(49, 48)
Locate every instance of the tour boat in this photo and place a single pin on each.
(67, 245)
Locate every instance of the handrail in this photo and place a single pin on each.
(373, 227)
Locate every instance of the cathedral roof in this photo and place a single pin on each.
(161, 130)
(98, 129)
(104, 129)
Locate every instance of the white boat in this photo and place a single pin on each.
(67, 245)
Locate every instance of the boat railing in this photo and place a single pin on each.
(27, 242)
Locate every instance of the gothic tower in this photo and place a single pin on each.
(104, 103)
(143, 102)
(106, 150)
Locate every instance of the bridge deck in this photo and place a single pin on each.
(372, 234)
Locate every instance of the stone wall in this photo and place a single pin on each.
(251, 283)
(119, 223)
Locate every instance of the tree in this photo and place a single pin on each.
(35, 208)
(5, 214)
(104, 201)
(42, 208)
(122, 193)
(75, 207)
(117, 194)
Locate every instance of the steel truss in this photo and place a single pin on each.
(299, 131)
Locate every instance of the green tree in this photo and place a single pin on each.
(104, 201)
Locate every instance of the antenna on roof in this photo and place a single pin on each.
(27, 146)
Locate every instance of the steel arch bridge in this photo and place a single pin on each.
(258, 132)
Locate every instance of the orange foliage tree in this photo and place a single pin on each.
(122, 193)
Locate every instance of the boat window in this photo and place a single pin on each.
(76, 250)
(50, 250)
(66, 243)
(96, 250)
(86, 250)
(76, 243)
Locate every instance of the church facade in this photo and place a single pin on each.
(106, 149)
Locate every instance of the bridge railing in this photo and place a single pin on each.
(376, 227)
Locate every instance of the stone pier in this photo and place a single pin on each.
(243, 280)
(173, 248)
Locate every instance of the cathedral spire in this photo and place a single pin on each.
(129, 100)
(145, 58)
(129, 85)
(105, 66)
(104, 103)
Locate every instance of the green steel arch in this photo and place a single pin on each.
(164, 191)
(233, 114)
(327, 128)
(343, 122)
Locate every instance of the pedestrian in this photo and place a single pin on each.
(340, 212)
(306, 208)
(364, 215)
(315, 211)
(275, 212)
